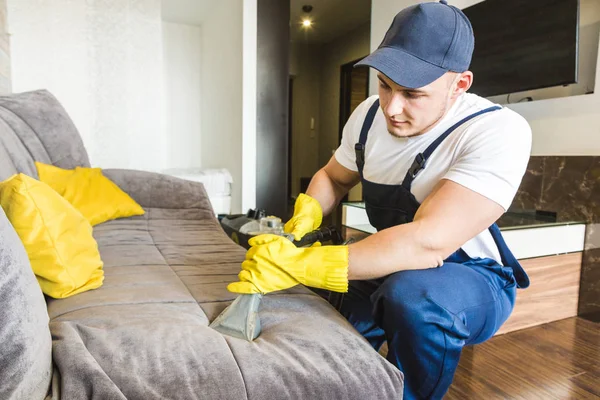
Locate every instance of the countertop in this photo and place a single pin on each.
(528, 233)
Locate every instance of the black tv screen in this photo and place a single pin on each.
(523, 44)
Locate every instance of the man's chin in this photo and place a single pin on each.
(401, 132)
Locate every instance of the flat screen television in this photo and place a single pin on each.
(523, 45)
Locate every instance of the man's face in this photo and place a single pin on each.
(412, 112)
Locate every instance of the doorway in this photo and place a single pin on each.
(325, 43)
(354, 89)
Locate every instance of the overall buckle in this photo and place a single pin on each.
(359, 150)
(417, 165)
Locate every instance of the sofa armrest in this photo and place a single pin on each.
(154, 190)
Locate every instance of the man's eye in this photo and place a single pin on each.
(384, 86)
(411, 95)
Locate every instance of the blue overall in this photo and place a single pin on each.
(427, 316)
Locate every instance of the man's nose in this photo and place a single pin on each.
(396, 105)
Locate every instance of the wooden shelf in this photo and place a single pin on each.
(552, 295)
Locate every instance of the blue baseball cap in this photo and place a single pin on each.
(424, 42)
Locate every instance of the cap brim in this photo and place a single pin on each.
(402, 68)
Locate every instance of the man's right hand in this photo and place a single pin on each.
(274, 263)
(308, 216)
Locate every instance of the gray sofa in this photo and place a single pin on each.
(144, 334)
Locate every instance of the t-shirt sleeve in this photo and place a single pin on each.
(345, 152)
(494, 156)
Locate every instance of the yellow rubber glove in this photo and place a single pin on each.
(274, 263)
(308, 216)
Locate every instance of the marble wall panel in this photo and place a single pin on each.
(570, 187)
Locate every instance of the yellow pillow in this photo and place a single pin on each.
(98, 198)
(58, 239)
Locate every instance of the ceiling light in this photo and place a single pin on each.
(307, 23)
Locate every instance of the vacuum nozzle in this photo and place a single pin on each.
(240, 319)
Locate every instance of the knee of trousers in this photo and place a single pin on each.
(404, 303)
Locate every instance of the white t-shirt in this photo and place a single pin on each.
(487, 154)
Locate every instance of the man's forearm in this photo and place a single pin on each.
(395, 249)
(449, 217)
(326, 191)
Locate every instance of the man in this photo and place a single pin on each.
(438, 167)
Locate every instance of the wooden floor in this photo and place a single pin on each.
(559, 360)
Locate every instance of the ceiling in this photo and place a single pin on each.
(331, 19)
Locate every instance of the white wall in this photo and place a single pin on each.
(222, 72)
(249, 103)
(210, 81)
(103, 62)
(182, 94)
(5, 80)
(561, 126)
(135, 109)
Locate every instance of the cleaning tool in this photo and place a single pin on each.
(239, 226)
(307, 217)
(240, 319)
(242, 227)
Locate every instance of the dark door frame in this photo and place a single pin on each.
(346, 93)
(345, 103)
(290, 107)
(272, 76)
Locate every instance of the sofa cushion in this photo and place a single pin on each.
(58, 239)
(25, 342)
(35, 127)
(145, 334)
(89, 191)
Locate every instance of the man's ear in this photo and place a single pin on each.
(463, 82)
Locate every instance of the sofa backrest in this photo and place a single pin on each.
(25, 341)
(35, 127)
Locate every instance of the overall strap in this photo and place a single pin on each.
(421, 158)
(507, 257)
(359, 148)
